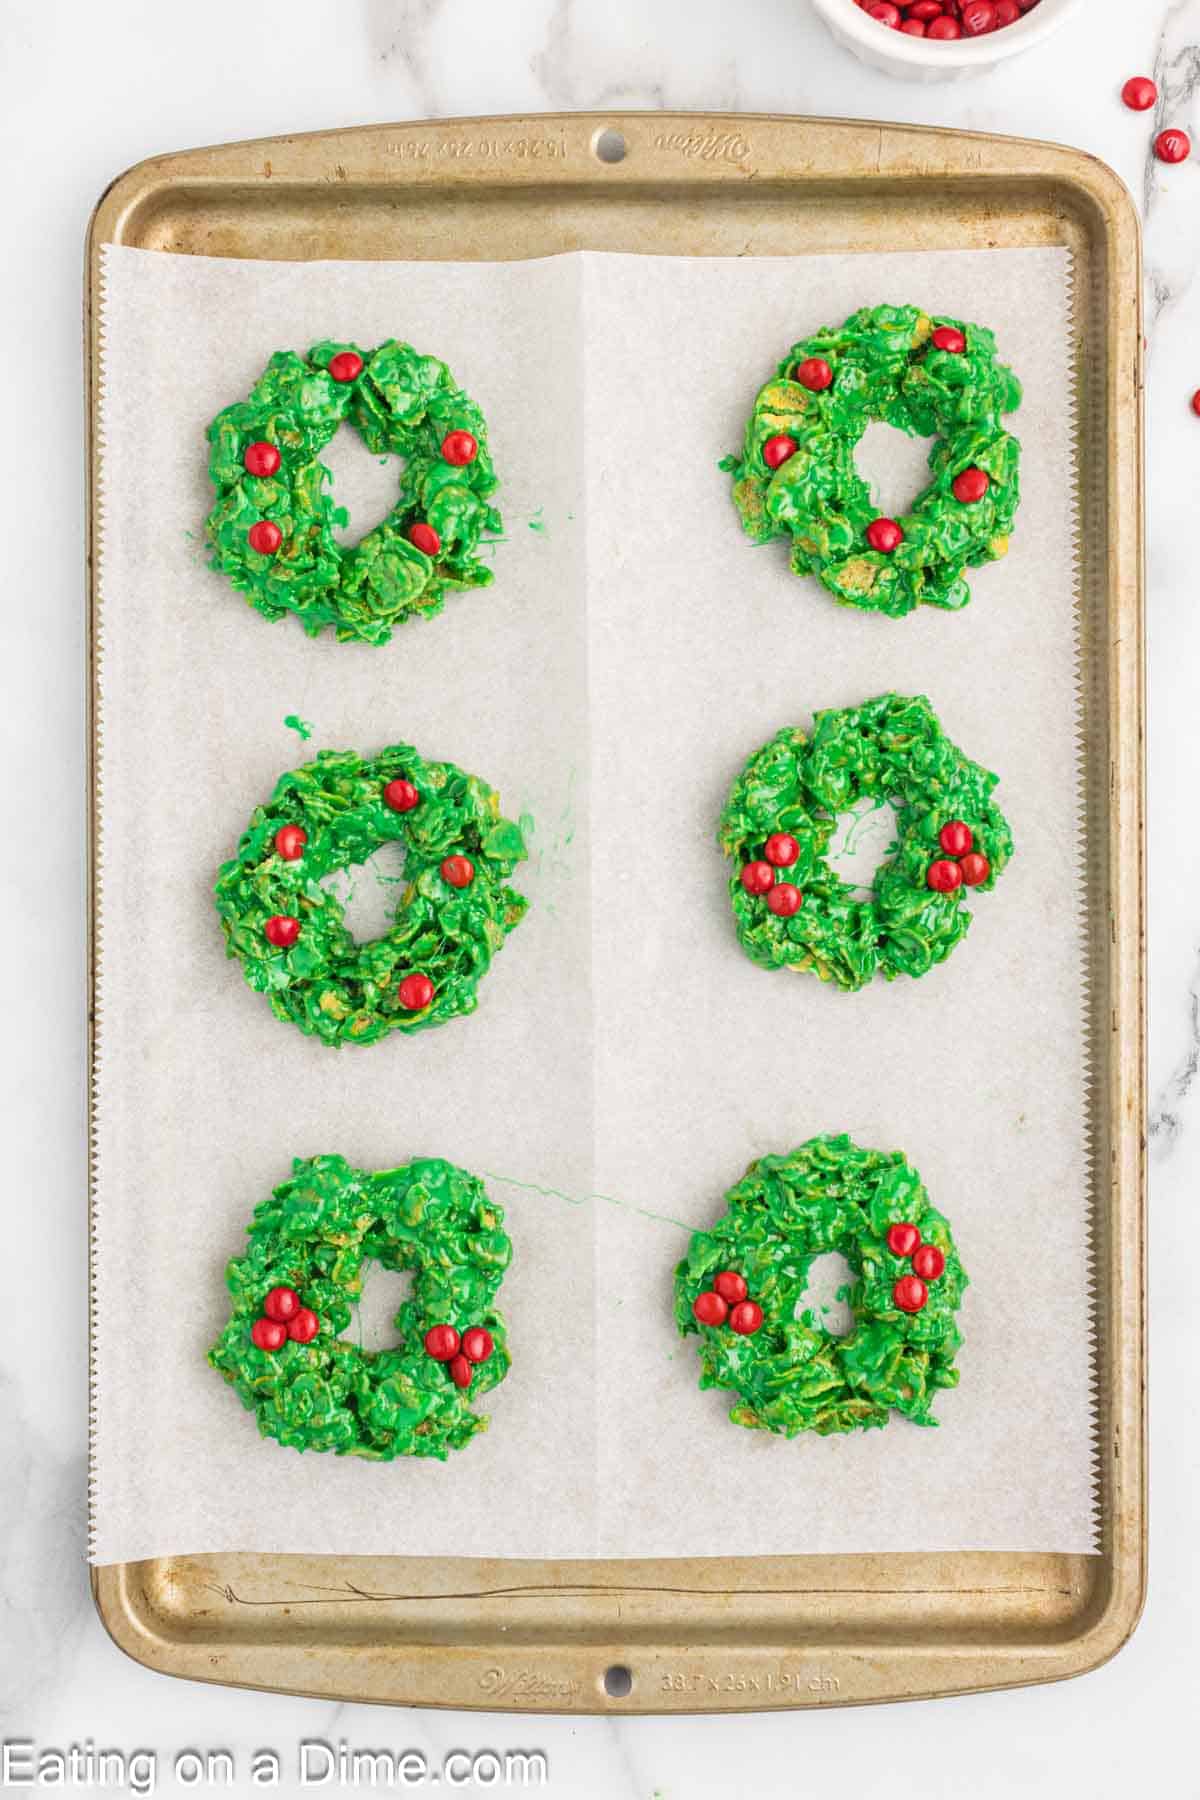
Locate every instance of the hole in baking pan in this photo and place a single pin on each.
(830, 1279)
(364, 485)
(863, 838)
(370, 892)
(373, 1322)
(894, 466)
(609, 146)
(618, 1681)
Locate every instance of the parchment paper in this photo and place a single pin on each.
(626, 1061)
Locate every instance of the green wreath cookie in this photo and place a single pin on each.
(793, 911)
(296, 1285)
(741, 1285)
(796, 476)
(456, 908)
(272, 526)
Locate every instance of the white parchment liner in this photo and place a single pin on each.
(626, 1061)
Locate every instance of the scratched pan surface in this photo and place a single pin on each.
(714, 1635)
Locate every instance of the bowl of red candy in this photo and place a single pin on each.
(939, 40)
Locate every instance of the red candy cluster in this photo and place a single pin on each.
(783, 897)
(961, 864)
(460, 1354)
(941, 19)
(283, 1317)
(910, 1292)
(726, 1302)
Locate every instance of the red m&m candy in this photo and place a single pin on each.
(928, 1262)
(784, 900)
(884, 535)
(401, 795)
(260, 458)
(910, 1293)
(459, 448)
(1172, 146)
(943, 877)
(346, 365)
(459, 871)
(814, 373)
(1139, 93)
(731, 1286)
(441, 1342)
(424, 538)
(460, 1371)
(781, 849)
(970, 486)
(777, 449)
(477, 1344)
(709, 1308)
(902, 1239)
(975, 868)
(304, 1327)
(945, 27)
(268, 1334)
(282, 1304)
(290, 841)
(955, 838)
(416, 992)
(978, 17)
(758, 877)
(746, 1318)
(950, 339)
(265, 537)
(282, 931)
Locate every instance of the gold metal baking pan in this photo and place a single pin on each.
(718, 1635)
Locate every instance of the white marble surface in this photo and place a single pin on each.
(84, 92)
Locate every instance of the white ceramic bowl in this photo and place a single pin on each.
(918, 59)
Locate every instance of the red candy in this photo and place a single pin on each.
(459, 448)
(746, 1318)
(1172, 146)
(401, 795)
(304, 1327)
(477, 1344)
(460, 1371)
(459, 871)
(776, 450)
(884, 535)
(902, 1240)
(346, 365)
(910, 1293)
(978, 17)
(944, 28)
(1196, 402)
(1139, 93)
(265, 537)
(260, 459)
(282, 931)
(928, 1262)
(975, 868)
(913, 28)
(441, 1342)
(944, 877)
(290, 841)
(955, 838)
(282, 1304)
(970, 486)
(886, 13)
(949, 338)
(924, 10)
(784, 900)
(815, 373)
(730, 1286)
(781, 849)
(425, 538)
(268, 1334)
(416, 991)
(758, 877)
(1007, 12)
(709, 1308)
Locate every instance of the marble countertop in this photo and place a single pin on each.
(88, 91)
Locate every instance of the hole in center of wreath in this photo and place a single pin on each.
(863, 838)
(823, 1304)
(364, 485)
(373, 1322)
(370, 892)
(894, 466)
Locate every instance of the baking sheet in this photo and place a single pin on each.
(626, 1061)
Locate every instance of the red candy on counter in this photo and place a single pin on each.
(1172, 146)
(1139, 93)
